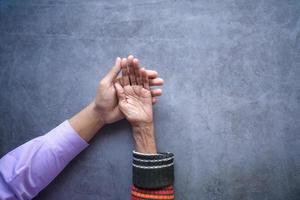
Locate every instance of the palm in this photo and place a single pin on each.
(137, 104)
(139, 93)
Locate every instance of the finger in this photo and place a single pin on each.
(125, 77)
(120, 80)
(152, 74)
(131, 70)
(145, 79)
(113, 73)
(120, 92)
(137, 71)
(156, 82)
(156, 92)
(124, 67)
(154, 100)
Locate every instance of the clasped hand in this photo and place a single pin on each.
(127, 96)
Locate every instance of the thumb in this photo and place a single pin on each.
(120, 91)
(118, 115)
(113, 73)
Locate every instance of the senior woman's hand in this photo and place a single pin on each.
(106, 102)
(135, 102)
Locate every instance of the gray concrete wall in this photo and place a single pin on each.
(231, 105)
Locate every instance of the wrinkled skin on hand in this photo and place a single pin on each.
(135, 101)
(106, 101)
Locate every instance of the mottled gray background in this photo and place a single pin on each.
(231, 105)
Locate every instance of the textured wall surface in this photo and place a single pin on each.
(231, 105)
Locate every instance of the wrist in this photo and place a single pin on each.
(95, 112)
(142, 124)
(144, 137)
(86, 123)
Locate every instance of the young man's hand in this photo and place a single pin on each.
(106, 102)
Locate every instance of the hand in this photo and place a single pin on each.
(106, 102)
(104, 109)
(135, 102)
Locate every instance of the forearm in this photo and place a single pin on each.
(144, 137)
(46, 156)
(87, 122)
(26, 170)
(153, 172)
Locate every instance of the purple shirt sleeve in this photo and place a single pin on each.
(26, 170)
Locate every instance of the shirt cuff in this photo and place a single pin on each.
(153, 171)
(66, 141)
